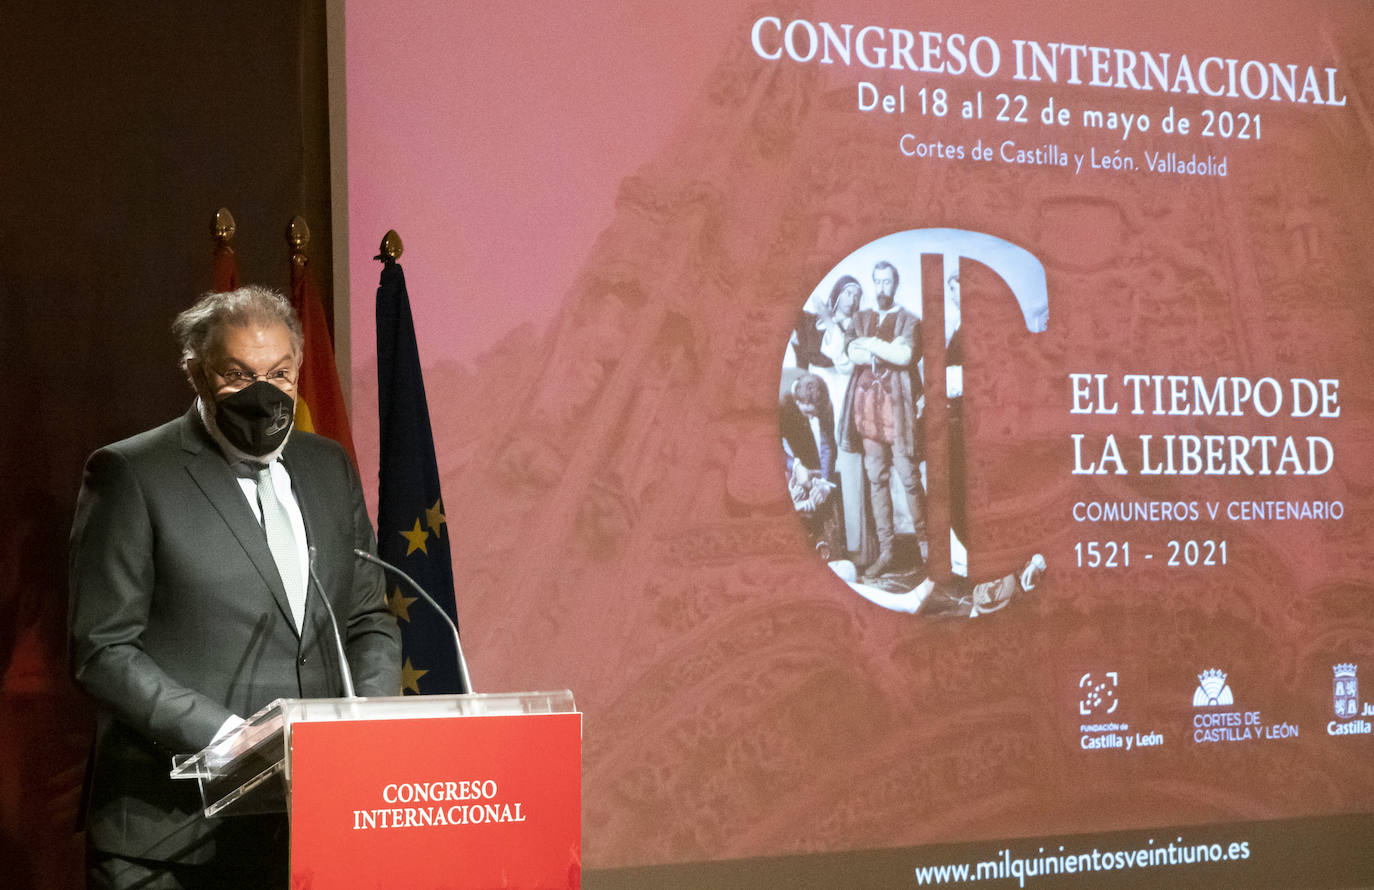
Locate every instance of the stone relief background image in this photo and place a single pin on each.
(620, 515)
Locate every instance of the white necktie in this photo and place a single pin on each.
(281, 540)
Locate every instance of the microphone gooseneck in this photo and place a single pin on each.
(345, 673)
(464, 680)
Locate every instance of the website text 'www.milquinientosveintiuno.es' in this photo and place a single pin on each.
(1022, 868)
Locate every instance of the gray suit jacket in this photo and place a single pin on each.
(178, 619)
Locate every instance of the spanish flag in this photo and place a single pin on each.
(224, 277)
(320, 404)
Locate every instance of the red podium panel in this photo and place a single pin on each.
(444, 802)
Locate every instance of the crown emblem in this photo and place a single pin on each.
(1212, 689)
(1344, 670)
(1212, 679)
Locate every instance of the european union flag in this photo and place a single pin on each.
(411, 530)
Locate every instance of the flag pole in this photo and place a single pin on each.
(412, 529)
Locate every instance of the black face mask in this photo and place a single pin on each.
(256, 419)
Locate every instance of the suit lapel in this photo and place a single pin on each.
(211, 473)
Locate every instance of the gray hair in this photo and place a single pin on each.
(197, 329)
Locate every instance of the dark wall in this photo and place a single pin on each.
(126, 126)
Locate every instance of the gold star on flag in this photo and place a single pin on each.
(399, 604)
(435, 517)
(410, 677)
(417, 537)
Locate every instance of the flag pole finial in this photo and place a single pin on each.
(391, 248)
(223, 227)
(298, 237)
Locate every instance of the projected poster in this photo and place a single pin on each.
(949, 448)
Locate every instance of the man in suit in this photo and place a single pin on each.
(192, 605)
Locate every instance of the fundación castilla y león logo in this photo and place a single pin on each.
(1097, 698)
(1211, 724)
(1345, 701)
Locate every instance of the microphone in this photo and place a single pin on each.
(464, 681)
(345, 674)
